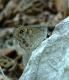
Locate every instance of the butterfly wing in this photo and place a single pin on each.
(31, 36)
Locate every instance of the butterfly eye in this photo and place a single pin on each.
(21, 31)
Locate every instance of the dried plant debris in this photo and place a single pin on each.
(3, 76)
(63, 6)
(40, 6)
(10, 58)
(12, 64)
(27, 12)
(40, 12)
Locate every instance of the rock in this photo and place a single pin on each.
(50, 61)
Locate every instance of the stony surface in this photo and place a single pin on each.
(50, 61)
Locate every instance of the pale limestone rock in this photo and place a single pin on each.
(50, 61)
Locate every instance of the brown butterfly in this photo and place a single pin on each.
(29, 37)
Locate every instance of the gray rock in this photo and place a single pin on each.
(50, 61)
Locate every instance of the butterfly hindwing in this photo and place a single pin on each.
(30, 37)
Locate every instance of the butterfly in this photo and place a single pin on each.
(29, 37)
